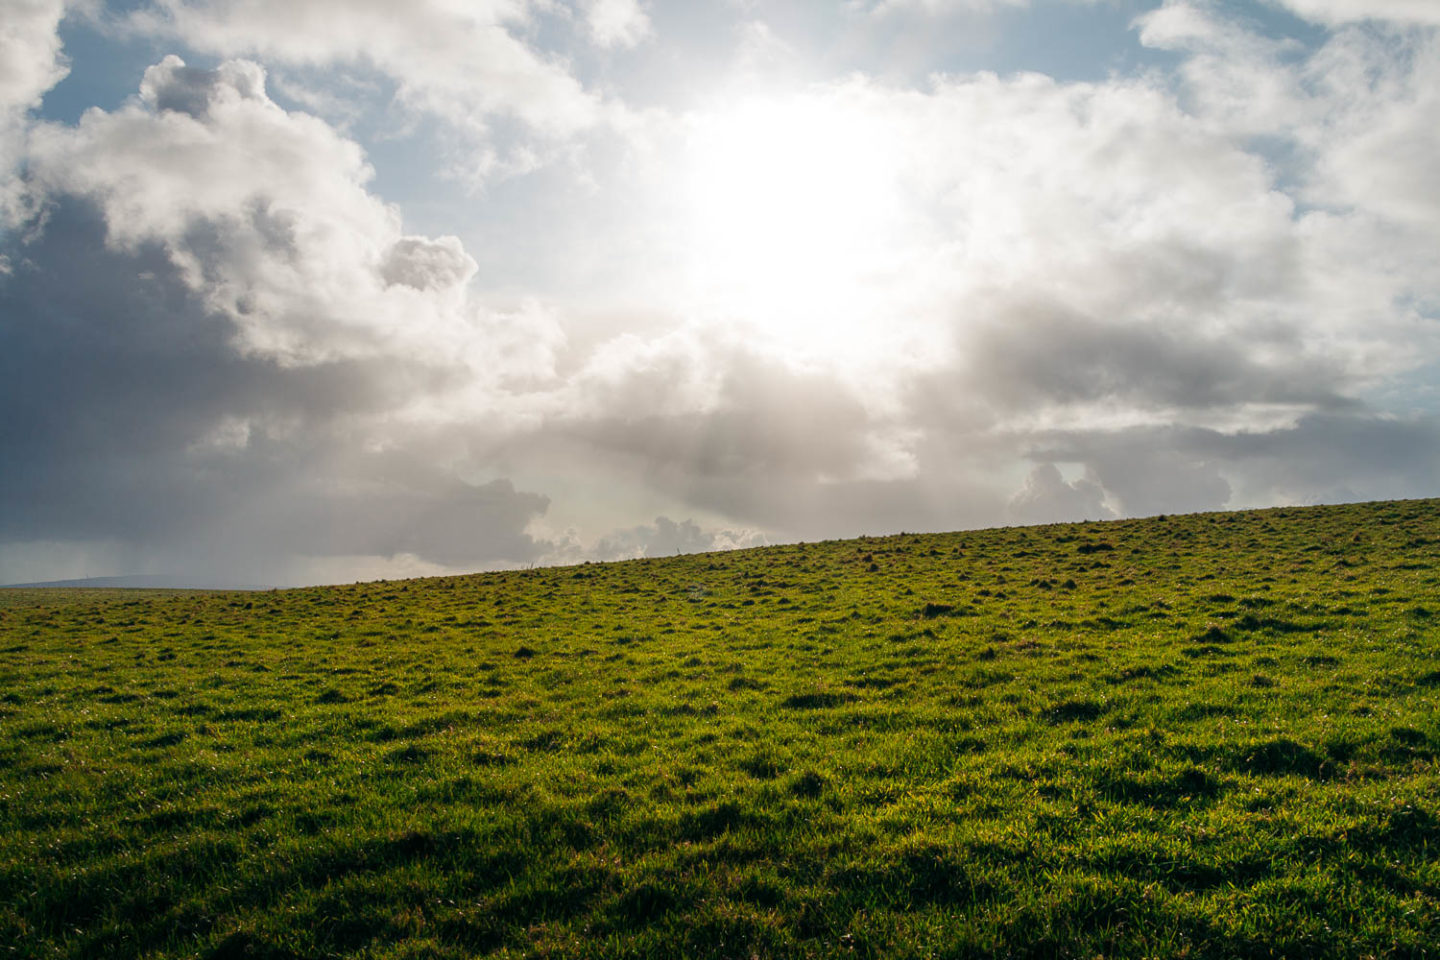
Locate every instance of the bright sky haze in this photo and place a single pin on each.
(300, 291)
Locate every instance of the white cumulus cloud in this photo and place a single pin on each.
(268, 216)
(617, 23)
(468, 64)
(31, 62)
(1348, 11)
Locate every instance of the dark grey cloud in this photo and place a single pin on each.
(796, 453)
(766, 421)
(1048, 497)
(666, 537)
(1334, 456)
(1322, 457)
(1037, 355)
(810, 510)
(172, 86)
(132, 417)
(1155, 479)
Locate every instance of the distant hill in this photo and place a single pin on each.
(144, 581)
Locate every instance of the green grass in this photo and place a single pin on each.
(1207, 736)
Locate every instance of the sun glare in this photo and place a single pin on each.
(793, 209)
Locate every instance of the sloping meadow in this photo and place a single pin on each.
(1210, 736)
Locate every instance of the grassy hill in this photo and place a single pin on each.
(1207, 736)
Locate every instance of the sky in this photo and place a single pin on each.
(311, 291)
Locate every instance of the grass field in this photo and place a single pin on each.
(1204, 736)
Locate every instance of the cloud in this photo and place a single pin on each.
(933, 7)
(163, 433)
(1348, 127)
(254, 362)
(1375, 129)
(30, 54)
(267, 216)
(467, 64)
(617, 23)
(1144, 482)
(1048, 498)
(424, 264)
(1038, 358)
(1349, 11)
(135, 422)
(939, 8)
(1361, 109)
(1332, 457)
(666, 537)
(31, 62)
(1322, 457)
(719, 411)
